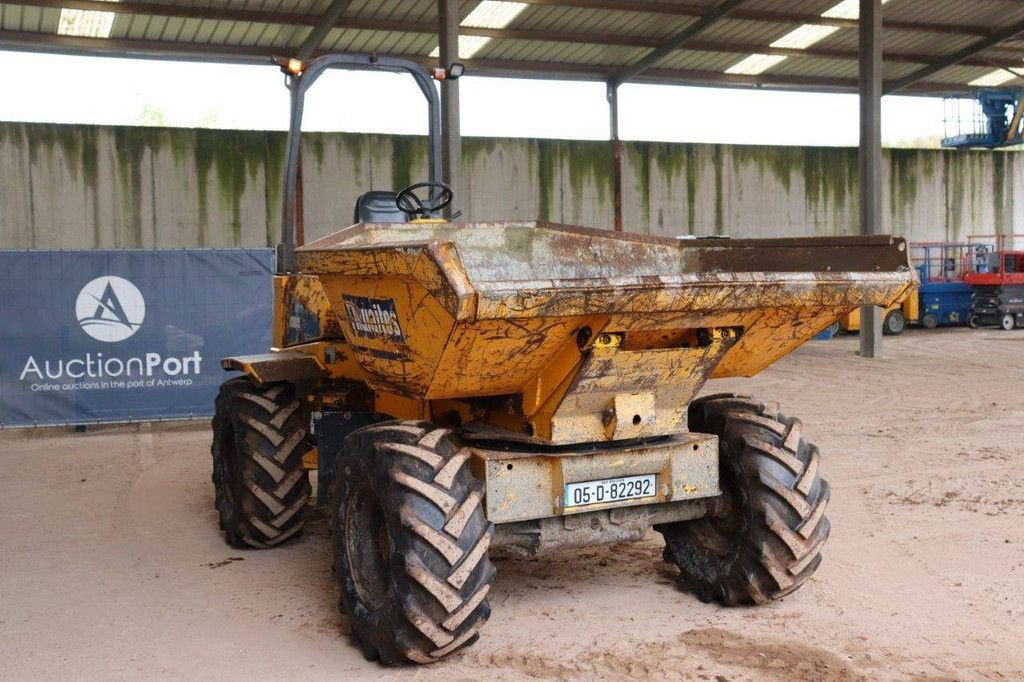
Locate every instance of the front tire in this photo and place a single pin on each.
(411, 543)
(894, 324)
(930, 321)
(1008, 322)
(261, 487)
(769, 542)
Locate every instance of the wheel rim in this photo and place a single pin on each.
(367, 546)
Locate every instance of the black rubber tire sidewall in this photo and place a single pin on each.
(759, 561)
(386, 633)
(234, 445)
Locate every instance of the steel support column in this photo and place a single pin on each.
(613, 125)
(451, 134)
(870, 154)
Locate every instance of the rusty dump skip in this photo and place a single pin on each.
(449, 310)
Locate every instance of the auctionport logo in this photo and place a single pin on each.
(110, 309)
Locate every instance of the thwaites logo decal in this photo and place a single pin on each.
(373, 318)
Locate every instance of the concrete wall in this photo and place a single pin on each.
(121, 187)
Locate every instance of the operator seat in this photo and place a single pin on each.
(379, 207)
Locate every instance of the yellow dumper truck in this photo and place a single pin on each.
(460, 386)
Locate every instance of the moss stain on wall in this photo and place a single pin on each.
(235, 157)
(956, 193)
(314, 142)
(546, 160)
(275, 152)
(131, 146)
(408, 155)
(638, 154)
(909, 170)
(589, 162)
(830, 177)
(229, 161)
(476, 148)
(673, 161)
(476, 156)
(777, 161)
(76, 146)
(352, 146)
(999, 191)
(717, 161)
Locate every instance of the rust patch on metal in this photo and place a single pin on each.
(492, 315)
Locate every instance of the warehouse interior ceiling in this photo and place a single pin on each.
(933, 47)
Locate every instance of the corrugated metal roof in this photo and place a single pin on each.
(561, 38)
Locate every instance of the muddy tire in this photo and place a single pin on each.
(261, 487)
(769, 543)
(930, 321)
(411, 543)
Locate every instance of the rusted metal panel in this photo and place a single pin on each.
(621, 524)
(495, 357)
(268, 368)
(488, 317)
(619, 394)
(523, 485)
(302, 311)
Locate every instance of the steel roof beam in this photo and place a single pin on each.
(299, 19)
(713, 16)
(769, 16)
(328, 21)
(957, 57)
(150, 9)
(155, 49)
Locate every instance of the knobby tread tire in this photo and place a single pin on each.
(773, 542)
(437, 564)
(261, 487)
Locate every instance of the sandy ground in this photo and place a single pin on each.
(111, 565)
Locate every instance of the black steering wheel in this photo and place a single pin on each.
(408, 201)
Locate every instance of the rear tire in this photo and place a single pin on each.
(411, 542)
(894, 324)
(930, 321)
(261, 487)
(1008, 322)
(769, 542)
(973, 322)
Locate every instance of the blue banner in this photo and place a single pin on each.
(116, 336)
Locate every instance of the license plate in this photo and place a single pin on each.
(609, 490)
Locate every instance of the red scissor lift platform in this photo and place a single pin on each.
(997, 284)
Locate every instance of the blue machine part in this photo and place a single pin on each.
(949, 302)
(827, 333)
(944, 298)
(994, 120)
